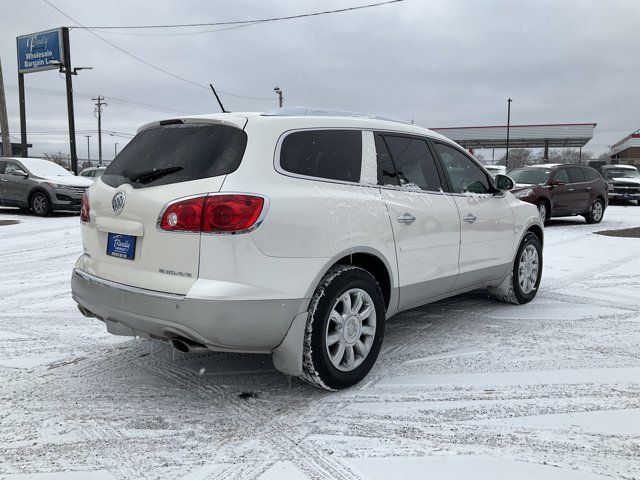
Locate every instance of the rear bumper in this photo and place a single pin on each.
(226, 325)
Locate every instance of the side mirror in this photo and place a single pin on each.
(503, 182)
(20, 173)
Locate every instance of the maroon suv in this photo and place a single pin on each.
(561, 190)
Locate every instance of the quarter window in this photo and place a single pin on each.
(330, 154)
(463, 172)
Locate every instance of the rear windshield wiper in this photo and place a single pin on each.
(150, 175)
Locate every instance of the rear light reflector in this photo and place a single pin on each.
(183, 216)
(84, 211)
(213, 214)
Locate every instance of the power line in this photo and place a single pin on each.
(149, 64)
(115, 100)
(239, 22)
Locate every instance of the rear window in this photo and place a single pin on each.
(177, 153)
(330, 154)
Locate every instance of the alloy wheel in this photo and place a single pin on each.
(350, 330)
(528, 269)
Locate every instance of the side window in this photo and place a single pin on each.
(386, 170)
(331, 154)
(561, 176)
(590, 174)
(413, 162)
(12, 167)
(576, 175)
(465, 175)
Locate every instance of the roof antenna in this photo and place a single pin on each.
(218, 99)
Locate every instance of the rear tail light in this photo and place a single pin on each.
(84, 211)
(213, 214)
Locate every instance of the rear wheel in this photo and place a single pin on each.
(344, 329)
(40, 204)
(522, 284)
(596, 212)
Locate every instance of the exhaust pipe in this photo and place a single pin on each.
(86, 312)
(185, 345)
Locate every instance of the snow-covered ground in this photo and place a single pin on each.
(465, 388)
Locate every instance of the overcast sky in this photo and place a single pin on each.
(441, 63)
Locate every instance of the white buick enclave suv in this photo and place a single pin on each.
(297, 233)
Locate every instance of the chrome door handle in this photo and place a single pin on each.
(3, 180)
(588, 188)
(571, 189)
(470, 218)
(407, 218)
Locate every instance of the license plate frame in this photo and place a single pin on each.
(122, 246)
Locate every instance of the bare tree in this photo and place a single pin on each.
(517, 157)
(62, 159)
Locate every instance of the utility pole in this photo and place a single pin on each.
(115, 150)
(68, 79)
(88, 149)
(279, 92)
(4, 121)
(99, 104)
(506, 159)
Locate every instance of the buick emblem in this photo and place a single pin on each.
(117, 203)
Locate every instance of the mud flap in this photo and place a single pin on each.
(287, 357)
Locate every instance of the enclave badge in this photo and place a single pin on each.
(117, 204)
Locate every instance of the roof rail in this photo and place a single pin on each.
(323, 112)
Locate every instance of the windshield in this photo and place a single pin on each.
(45, 168)
(610, 173)
(530, 176)
(177, 153)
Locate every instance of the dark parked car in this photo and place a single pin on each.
(623, 180)
(561, 190)
(40, 185)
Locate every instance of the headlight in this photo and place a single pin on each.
(523, 193)
(54, 185)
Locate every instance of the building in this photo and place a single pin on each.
(627, 150)
(16, 149)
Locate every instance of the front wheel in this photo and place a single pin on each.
(596, 212)
(344, 329)
(40, 204)
(522, 283)
(544, 210)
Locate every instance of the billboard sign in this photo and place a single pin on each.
(36, 50)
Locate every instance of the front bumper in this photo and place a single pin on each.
(67, 198)
(623, 196)
(257, 326)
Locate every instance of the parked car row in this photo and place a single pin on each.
(197, 236)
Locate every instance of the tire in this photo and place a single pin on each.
(332, 331)
(40, 204)
(513, 289)
(543, 206)
(596, 212)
